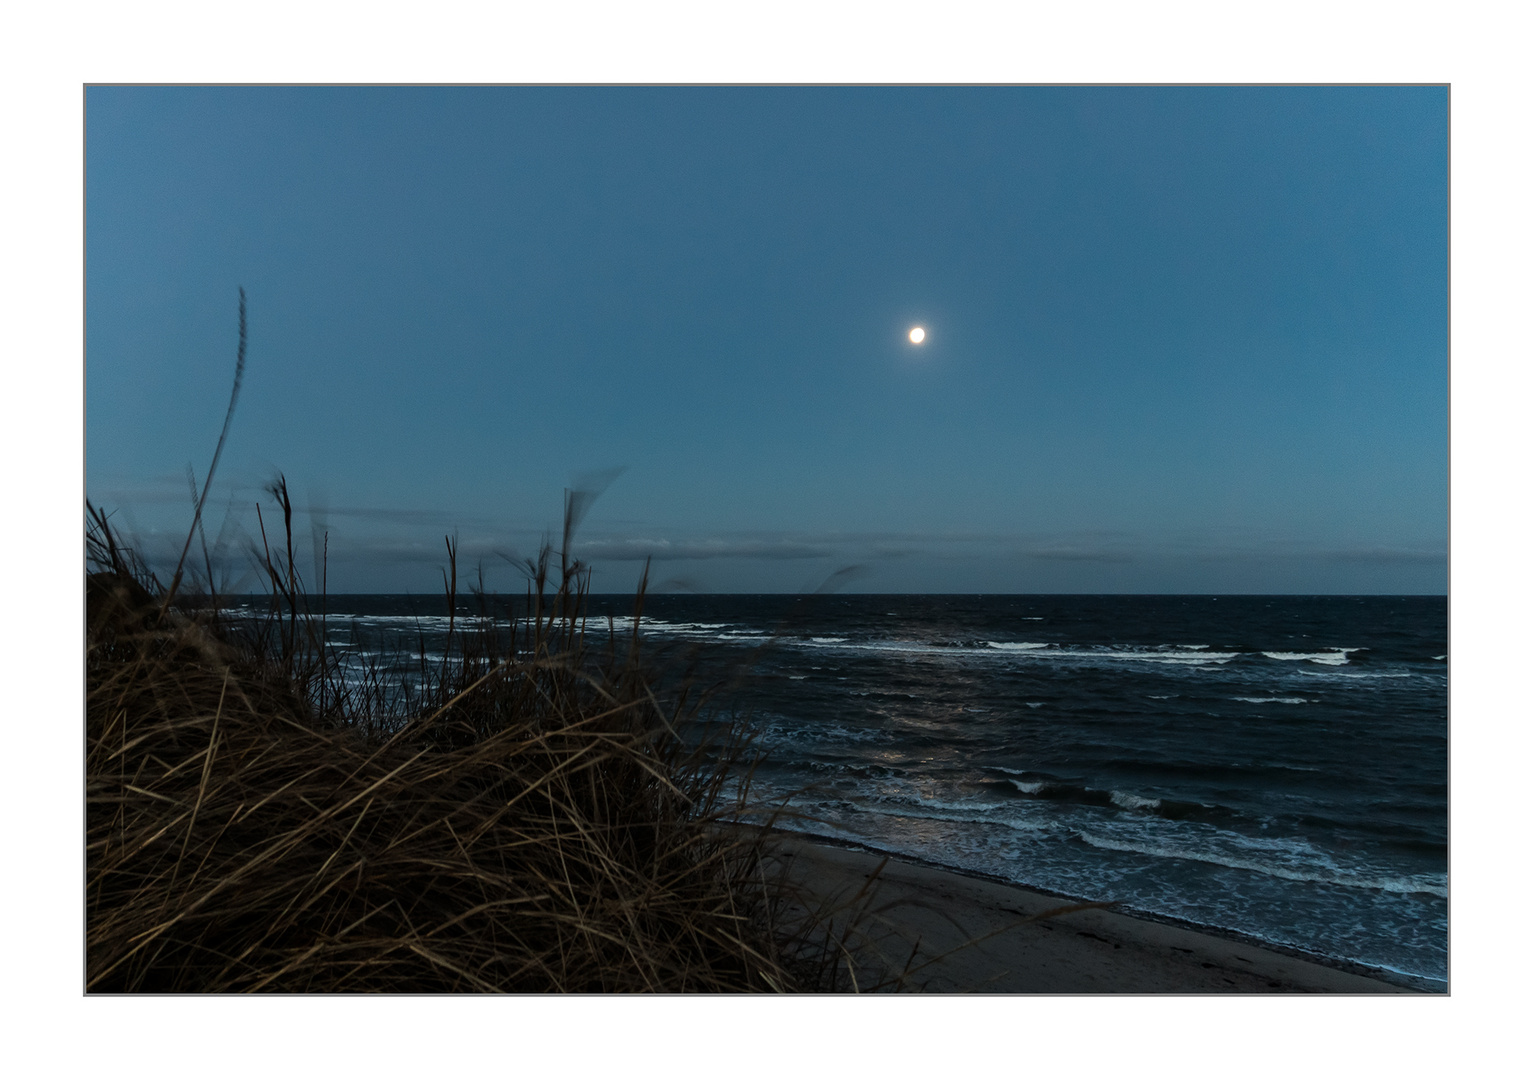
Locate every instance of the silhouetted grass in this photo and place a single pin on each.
(524, 815)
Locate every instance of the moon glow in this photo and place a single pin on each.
(918, 335)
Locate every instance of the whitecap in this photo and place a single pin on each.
(1199, 658)
(1125, 801)
(1331, 657)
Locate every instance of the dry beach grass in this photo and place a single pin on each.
(529, 819)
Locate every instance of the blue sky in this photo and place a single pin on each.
(1180, 339)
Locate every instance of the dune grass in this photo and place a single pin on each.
(528, 817)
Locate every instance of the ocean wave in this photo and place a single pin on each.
(1196, 655)
(1160, 654)
(889, 796)
(685, 629)
(963, 813)
(1403, 884)
(930, 802)
(1027, 651)
(1330, 657)
(1195, 658)
(1125, 801)
(1277, 700)
(1052, 790)
(1034, 650)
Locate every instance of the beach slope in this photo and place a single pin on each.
(954, 933)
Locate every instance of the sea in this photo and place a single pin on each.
(1273, 767)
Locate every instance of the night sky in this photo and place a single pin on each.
(1178, 339)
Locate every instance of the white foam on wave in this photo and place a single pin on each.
(1394, 884)
(1028, 787)
(796, 677)
(1178, 658)
(1161, 654)
(407, 621)
(828, 640)
(1195, 655)
(1331, 657)
(934, 809)
(1126, 801)
(664, 627)
(967, 816)
(1276, 700)
(1164, 654)
(1035, 704)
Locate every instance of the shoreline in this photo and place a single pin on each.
(932, 914)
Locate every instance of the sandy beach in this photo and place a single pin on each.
(954, 933)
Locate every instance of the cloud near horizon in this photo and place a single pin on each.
(624, 550)
(386, 549)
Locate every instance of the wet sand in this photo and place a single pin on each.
(975, 935)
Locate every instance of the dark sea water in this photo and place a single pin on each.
(1275, 766)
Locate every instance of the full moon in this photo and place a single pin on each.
(917, 335)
